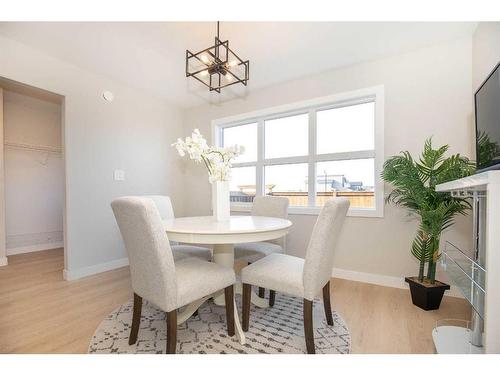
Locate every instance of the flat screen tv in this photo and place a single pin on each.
(487, 103)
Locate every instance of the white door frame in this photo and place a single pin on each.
(3, 250)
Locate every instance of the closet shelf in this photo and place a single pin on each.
(35, 148)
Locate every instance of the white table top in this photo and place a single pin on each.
(238, 229)
(235, 224)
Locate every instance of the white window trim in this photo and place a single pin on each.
(370, 94)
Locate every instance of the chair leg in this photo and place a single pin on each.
(327, 304)
(229, 296)
(262, 292)
(308, 326)
(136, 319)
(272, 295)
(171, 331)
(247, 289)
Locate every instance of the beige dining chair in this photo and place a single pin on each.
(164, 205)
(302, 278)
(253, 251)
(156, 277)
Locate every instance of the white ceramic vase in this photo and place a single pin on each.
(220, 200)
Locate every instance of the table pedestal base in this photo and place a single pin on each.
(223, 255)
(254, 298)
(193, 306)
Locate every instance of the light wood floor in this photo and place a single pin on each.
(42, 313)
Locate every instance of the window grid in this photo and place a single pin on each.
(312, 158)
(260, 188)
(311, 196)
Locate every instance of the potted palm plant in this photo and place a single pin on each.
(415, 189)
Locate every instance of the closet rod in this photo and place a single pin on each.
(23, 146)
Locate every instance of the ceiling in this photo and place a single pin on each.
(151, 56)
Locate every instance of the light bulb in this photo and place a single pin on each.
(204, 58)
(233, 63)
(204, 73)
(229, 77)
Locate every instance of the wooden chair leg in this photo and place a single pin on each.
(327, 304)
(262, 292)
(308, 326)
(272, 296)
(136, 319)
(229, 296)
(247, 289)
(171, 331)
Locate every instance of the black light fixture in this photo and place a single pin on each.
(217, 66)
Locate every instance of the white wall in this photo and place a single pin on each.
(34, 180)
(132, 133)
(427, 93)
(485, 51)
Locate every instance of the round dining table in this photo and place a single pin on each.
(223, 235)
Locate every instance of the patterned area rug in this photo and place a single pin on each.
(272, 330)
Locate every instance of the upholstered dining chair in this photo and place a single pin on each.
(253, 251)
(302, 278)
(156, 277)
(164, 205)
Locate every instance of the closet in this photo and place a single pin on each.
(33, 170)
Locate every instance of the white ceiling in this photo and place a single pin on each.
(151, 56)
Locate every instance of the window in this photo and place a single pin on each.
(346, 129)
(288, 180)
(244, 135)
(242, 185)
(310, 152)
(352, 179)
(294, 129)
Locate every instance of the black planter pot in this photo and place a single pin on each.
(426, 296)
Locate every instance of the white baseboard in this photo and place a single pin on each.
(92, 270)
(383, 280)
(21, 240)
(33, 248)
(3, 261)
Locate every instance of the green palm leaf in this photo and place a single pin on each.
(414, 189)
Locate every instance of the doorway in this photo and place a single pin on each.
(32, 170)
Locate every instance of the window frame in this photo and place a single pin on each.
(372, 94)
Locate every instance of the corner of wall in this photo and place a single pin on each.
(79, 273)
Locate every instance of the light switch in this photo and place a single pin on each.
(119, 175)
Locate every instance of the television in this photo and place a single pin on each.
(487, 105)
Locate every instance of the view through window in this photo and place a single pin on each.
(308, 156)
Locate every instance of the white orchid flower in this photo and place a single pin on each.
(218, 160)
